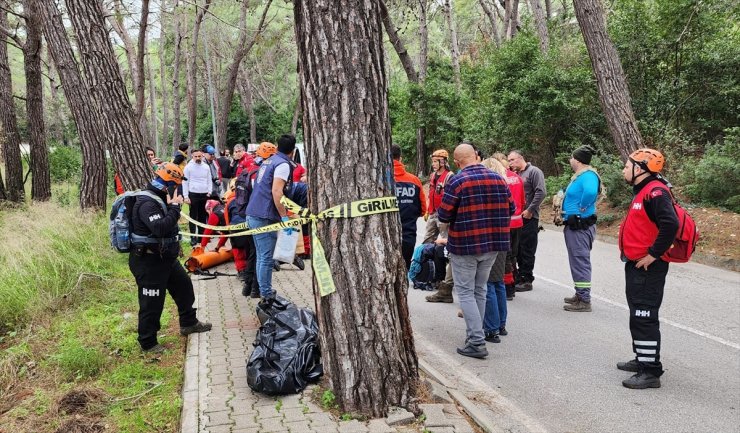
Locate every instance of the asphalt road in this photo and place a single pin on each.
(555, 371)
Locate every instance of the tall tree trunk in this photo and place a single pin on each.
(514, 26)
(140, 53)
(57, 128)
(40, 181)
(245, 90)
(365, 328)
(9, 136)
(116, 20)
(541, 24)
(449, 12)
(163, 79)
(176, 117)
(296, 115)
(398, 45)
(192, 76)
(421, 147)
(152, 105)
(548, 9)
(611, 83)
(82, 106)
(494, 22)
(103, 78)
(232, 71)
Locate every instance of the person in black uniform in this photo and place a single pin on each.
(647, 232)
(155, 248)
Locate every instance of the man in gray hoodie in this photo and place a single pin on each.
(534, 193)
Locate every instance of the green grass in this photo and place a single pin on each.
(61, 332)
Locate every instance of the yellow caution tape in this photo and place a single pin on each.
(321, 268)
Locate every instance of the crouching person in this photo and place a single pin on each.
(155, 248)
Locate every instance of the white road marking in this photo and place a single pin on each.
(666, 321)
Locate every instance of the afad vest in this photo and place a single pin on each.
(638, 232)
(260, 200)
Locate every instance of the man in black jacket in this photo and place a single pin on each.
(155, 247)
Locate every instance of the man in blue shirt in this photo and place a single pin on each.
(579, 217)
(273, 179)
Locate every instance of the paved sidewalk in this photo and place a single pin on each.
(216, 398)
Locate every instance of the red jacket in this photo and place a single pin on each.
(246, 163)
(298, 172)
(516, 186)
(436, 190)
(214, 219)
(651, 223)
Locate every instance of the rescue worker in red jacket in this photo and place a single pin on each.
(647, 232)
(216, 217)
(437, 181)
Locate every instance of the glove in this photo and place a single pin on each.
(288, 231)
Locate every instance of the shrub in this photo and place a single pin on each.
(76, 360)
(715, 179)
(65, 164)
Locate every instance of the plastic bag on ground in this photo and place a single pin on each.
(286, 355)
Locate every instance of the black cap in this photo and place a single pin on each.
(583, 154)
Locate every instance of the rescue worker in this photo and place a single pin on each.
(155, 248)
(216, 217)
(411, 203)
(437, 181)
(273, 179)
(647, 232)
(579, 218)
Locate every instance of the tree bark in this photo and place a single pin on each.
(40, 181)
(368, 347)
(103, 78)
(154, 139)
(423, 40)
(140, 53)
(611, 82)
(296, 115)
(449, 13)
(176, 117)
(9, 136)
(548, 9)
(494, 22)
(541, 24)
(163, 79)
(57, 128)
(82, 106)
(116, 21)
(192, 77)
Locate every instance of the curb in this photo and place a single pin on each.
(485, 423)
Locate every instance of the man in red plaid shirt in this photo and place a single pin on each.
(478, 206)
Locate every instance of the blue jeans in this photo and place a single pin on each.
(264, 244)
(495, 317)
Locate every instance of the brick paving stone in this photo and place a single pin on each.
(291, 401)
(272, 425)
(269, 412)
(245, 421)
(436, 416)
(246, 430)
(353, 426)
(297, 426)
(218, 418)
(220, 379)
(379, 426)
(320, 418)
(219, 429)
(293, 414)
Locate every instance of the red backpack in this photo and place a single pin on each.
(687, 236)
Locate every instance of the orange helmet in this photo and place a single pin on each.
(649, 159)
(266, 150)
(440, 153)
(170, 172)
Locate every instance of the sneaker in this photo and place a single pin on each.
(632, 366)
(578, 307)
(502, 331)
(479, 352)
(523, 287)
(492, 337)
(571, 300)
(298, 262)
(510, 297)
(198, 327)
(158, 348)
(641, 381)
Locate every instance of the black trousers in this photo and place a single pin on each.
(644, 290)
(197, 212)
(407, 250)
(251, 264)
(527, 250)
(511, 255)
(154, 277)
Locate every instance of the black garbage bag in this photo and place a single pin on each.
(286, 355)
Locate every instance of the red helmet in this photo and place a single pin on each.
(649, 159)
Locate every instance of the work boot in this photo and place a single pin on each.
(460, 314)
(444, 294)
(298, 262)
(641, 381)
(198, 327)
(632, 365)
(158, 348)
(523, 286)
(571, 300)
(578, 307)
(242, 275)
(502, 331)
(492, 337)
(246, 286)
(479, 352)
(276, 266)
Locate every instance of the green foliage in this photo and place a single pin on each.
(76, 360)
(715, 178)
(65, 164)
(328, 400)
